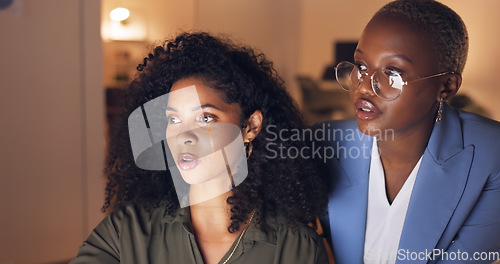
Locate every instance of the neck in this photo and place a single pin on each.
(198, 193)
(406, 147)
(400, 154)
(213, 215)
(210, 220)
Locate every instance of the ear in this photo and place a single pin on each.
(450, 87)
(253, 126)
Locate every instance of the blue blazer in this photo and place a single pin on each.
(455, 202)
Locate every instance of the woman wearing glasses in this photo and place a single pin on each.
(427, 187)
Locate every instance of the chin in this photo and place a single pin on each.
(367, 128)
(193, 177)
(374, 130)
(202, 175)
(369, 132)
(190, 179)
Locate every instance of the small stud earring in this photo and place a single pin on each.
(439, 116)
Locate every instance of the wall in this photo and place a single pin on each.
(51, 110)
(269, 26)
(479, 80)
(259, 23)
(162, 18)
(323, 23)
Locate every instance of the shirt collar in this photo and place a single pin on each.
(261, 230)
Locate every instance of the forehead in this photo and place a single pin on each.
(194, 90)
(389, 35)
(397, 22)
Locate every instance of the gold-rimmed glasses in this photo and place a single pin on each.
(386, 83)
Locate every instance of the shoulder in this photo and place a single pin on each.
(111, 240)
(136, 212)
(479, 129)
(283, 228)
(299, 231)
(129, 219)
(340, 139)
(298, 243)
(481, 133)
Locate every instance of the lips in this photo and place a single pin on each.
(187, 161)
(366, 110)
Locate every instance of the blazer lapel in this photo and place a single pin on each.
(348, 200)
(438, 188)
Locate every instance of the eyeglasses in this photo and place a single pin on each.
(386, 83)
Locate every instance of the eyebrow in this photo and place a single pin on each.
(171, 109)
(397, 56)
(197, 107)
(206, 106)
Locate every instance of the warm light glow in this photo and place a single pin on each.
(115, 27)
(119, 14)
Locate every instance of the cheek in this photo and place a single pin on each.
(171, 131)
(421, 99)
(411, 111)
(352, 97)
(205, 144)
(171, 139)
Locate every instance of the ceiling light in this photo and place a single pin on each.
(119, 14)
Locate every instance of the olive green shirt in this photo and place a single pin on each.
(134, 235)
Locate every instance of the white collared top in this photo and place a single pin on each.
(385, 221)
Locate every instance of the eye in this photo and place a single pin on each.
(207, 118)
(360, 72)
(394, 78)
(361, 67)
(390, 72)
(171, 119)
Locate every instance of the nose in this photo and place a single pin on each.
(187, 138)
(365, 85)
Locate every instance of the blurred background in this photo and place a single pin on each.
(64, 64)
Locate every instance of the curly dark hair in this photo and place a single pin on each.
(246, 77)
(443, 25)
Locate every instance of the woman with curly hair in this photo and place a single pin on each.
(210, 84)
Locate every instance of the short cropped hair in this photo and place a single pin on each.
(444, 26)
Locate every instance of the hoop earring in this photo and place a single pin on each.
(248, 148)
(439, 116)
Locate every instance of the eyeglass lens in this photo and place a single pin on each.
(385, 83)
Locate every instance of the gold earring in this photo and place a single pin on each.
(248, 148)
(439, 116)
